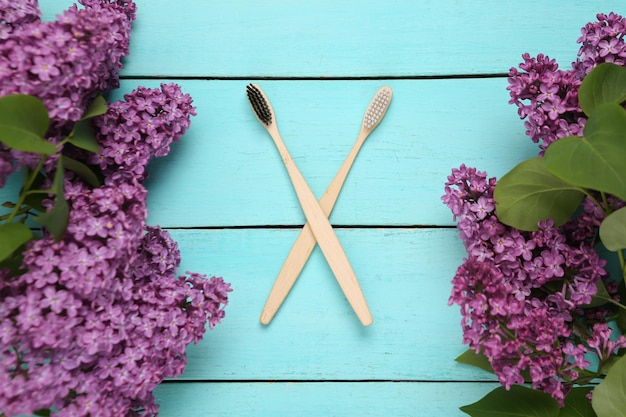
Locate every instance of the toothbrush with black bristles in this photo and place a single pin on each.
(315, 216)
(305, 243)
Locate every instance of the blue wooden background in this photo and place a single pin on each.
(226, 198)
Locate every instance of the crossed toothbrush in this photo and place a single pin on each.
(318, 227)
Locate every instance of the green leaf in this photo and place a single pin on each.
(469, 357)
(24, 121)
(607, 364)
(15, 261)
(621, 320)
(12, 236)
(56, 219)
(609, 397)
(35, 200)
(621, 313)
(577, 404)
(606, 83)
(529, 193)
(82, 170)
(613, 230)
(595, 161)
(519, 401)
(97, 108)
(83, 136)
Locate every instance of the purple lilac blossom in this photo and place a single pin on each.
(521, 292)
(161, 116)
(14, 14)
(100, 318)
(96, 320)
(547, 96)
(65, 63)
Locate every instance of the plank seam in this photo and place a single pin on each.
(300, 226)
(314, 78)
(324, 381)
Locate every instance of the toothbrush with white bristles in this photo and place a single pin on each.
(305, 243)
(315, 216)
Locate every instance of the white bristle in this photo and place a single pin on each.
(376, 108)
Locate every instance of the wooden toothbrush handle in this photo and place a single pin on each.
(305, 243)
(325, 236)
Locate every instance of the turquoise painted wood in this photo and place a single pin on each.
(226, 198)
(350, 38)
(405, 276)
(226, 171)
(369, 399)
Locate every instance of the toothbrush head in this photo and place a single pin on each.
(260, 104)
(377, 108)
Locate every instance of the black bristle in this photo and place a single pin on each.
(259, 104)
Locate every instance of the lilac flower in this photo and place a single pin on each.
(520, 291)
(608, 47)
(99, 318)
(482, 207)
(546, 96)
(130, 313)
(44, 67)
(550, 274)
(67, 58)
(17, 13)
(602, 343)
(159, 117)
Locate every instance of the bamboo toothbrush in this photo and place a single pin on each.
(304, 244)
(315, 216)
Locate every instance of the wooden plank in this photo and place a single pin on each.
(405, 275)
(350, 38)
(314, 400)
(226, 166)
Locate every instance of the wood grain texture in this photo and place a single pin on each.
(226, 166)
(405, 274)
(350, 38)
(227, 200)
(226, 172)
(369, 399)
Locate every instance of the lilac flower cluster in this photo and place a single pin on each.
(16, 14)
(93, 322)
(160, 116)
(548, 97)
(522, 293)
(99, 318)
(66, 63)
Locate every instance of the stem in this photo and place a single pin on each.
(607, 210)
(612, 301)
(622, 263)
(589, 374)
(586, 375)
(24, 210)
(29, 183)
